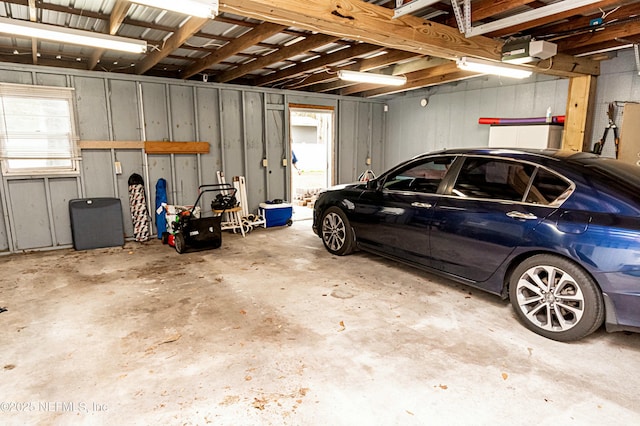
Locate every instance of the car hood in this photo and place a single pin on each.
(353, 185)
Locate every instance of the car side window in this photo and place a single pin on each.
(494, 179)
(424, 177)
(546, 188)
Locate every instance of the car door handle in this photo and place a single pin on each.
(421, 205)
(519, 215)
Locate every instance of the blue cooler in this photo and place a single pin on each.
(276, 214)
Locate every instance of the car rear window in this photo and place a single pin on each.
(546, 188)
(499, 179)
(493, 179)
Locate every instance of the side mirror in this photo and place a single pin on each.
(372, 184)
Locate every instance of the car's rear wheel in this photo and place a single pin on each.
(556, 298)
(336, 232)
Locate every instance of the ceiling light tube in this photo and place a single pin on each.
(368, 77)
(488, 67)
(608, 49)
(28, 29)
(201, 9)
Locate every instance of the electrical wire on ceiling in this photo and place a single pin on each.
(207, 44)
(587, 29)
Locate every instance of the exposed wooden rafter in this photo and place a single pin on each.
(118, 13)
(375, 24)
(387, 59)
(312, 42)
(486, 8)
(248, 39)
(33, 17)
(318, 63)
(584, 10)
(369, 23)
(178, 38)
(413, 78)
(360, 27)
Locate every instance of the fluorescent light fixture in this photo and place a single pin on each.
(71, 36)
(488, 67)
(367, 77)
(608, 49)
(201, 9)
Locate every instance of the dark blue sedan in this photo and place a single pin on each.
(556, 232)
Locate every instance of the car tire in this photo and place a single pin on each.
(568, 309)
(179, 242)
(336, 232)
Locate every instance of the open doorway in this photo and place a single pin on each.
(312, 147)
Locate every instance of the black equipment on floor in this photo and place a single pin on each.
(201, 233)
(96, 223)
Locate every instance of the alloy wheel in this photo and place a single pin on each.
(333, 231)
(550, 298)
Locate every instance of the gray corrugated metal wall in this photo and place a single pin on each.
(451, 117)
(242, 125)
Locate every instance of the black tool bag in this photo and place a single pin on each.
(224, 202)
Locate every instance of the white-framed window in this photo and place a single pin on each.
(37, 130)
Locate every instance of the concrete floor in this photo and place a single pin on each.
(271, 330)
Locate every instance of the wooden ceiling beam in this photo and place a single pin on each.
(312, 42)
(584, 10)
(567, 66)
(613, 45)
(621, 31)
(583, 22)
(486, 8)
(118, 13)
(387, 60)
(429, 71)
(331, 86)
(318, 63)
(319, 78)
(427, 82)
(393, 56)
(369, 23)
(176, 40)
(362, 65)
(33, 17)
(248, 39)
(373, 24)
(417, 65)
(412, 78)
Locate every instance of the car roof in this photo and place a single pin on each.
(517, 153)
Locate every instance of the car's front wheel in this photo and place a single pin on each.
(556, 298)
(336, 232)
